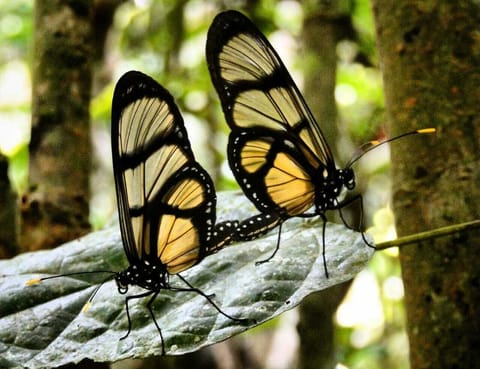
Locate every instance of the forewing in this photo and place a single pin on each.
(256, 89)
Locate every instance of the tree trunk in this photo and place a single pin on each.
(55, 209)
(8, 213)
(430, 54)
(321, 32)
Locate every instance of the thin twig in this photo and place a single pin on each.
(435, 233)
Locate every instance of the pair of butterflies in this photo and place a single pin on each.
(167, 201)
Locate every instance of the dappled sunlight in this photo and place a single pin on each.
(362, 310)
(345, 94)
(383, 228)
(15, 99)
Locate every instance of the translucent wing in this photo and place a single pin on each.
(276, 149)
(166, 200)
(256, 89)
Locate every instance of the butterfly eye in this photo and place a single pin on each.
(349, 178)
(122, 283)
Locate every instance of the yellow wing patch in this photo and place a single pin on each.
(306, 138)
(253, 155)
(289, 186)
(141, 187)
(141, 234)
(165, 161)
(178, 243)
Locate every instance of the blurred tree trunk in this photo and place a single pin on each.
(55, 208)
(430, 53)
(102, 19)
(322, 29)
(8, 213)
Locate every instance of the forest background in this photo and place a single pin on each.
(429, 52)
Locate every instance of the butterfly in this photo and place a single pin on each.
(166, 200)
(276, 149)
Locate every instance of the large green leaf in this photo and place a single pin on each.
(43, 325)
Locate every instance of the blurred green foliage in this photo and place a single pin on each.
(15, 29)
(166, 39)
(16, 26)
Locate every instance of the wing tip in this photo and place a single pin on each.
(224, 26)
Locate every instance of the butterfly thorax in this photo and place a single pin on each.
(330, 187)
(149, 276)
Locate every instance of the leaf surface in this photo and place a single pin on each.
(43, 325)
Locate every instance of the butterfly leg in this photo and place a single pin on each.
(324, 226)
(276, 247)
(149, 307)
(256, 226)
(127, 299)
(360, 198)
(347, 202)
(207, 297)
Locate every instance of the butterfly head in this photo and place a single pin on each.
(122, 280)
(144, 274)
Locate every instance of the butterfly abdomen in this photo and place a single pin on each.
(223, 234)
(256, 226)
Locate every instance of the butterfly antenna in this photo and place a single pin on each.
(94, 293)
(369, 146)
(33, 281)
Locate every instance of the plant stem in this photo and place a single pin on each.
(428, 235)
